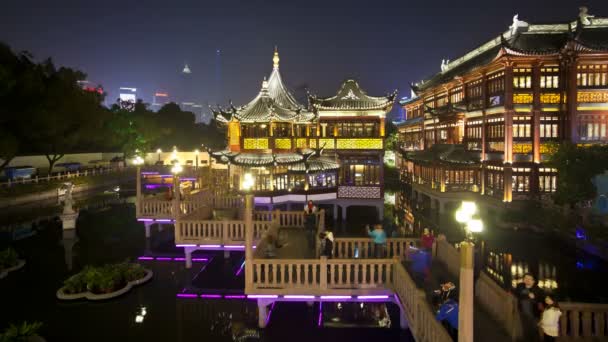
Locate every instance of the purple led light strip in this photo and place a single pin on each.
(240, 269)
(270, 313)
(262, 296)
(187, 295)
(320, 321)
(210, 296)
(169, 259)
(235, 296)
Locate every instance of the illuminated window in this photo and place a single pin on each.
(522, 78)
(593, 128)
(549, 78)
(360, 174)
(521, 183)
(547, 183)
(592, 75)
(456, 95)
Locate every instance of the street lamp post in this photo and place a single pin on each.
(246, 186)
(176, 169)
(465, 216)
(138, 161)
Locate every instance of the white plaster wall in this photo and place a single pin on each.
(41, 162)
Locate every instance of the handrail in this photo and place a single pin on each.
(421, 318)
(500, 304)
(583, 320)
(317, 276)
(363, 247)
(214, 231)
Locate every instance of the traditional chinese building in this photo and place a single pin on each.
(483, 124)
(330, 151)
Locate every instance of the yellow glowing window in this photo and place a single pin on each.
(284, 144)
(360, 144)
(301, 143)
(522, 98)
(255, 143)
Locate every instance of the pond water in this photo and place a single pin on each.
(110, 233)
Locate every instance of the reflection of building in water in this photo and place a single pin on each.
(505, 270)
(223, 318)
(355, 314)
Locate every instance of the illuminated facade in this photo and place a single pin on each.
(330, 151)
(485, 123)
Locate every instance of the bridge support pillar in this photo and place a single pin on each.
(335, 212)
(188, 257)
(262, 313)
(147, 225)
(344, 207)
(159, 227)
(226, 254)
(465, 300)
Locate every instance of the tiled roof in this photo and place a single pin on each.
(350, 96)
(447, 153)
(305, 161)
(527, 40)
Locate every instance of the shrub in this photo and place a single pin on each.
(75, 284)
(105, 279)
(8, 258)
(20, 333)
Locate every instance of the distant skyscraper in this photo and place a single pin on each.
(128, 94)
(159, 99)
(218, 76)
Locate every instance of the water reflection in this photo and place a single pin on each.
(69, 239)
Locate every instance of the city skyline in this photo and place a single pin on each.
(385, 47)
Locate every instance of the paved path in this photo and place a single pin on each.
(486, 329)
(295, 245)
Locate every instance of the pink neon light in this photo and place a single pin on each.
(336, 297)
(187, 295)
(179, 259)
(164, 220)
(210, 246)
(199, 259)
(234, 247)
(211, 296)
(240, 269)
(298, 297)
(185, 245)
(163, 259)
(235, 296)
(372, 297)
(145, 258)
(262, 296)
(145, 220)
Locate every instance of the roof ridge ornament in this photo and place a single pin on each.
(517, 24)
(584, 16)
(275, 58)
(350, 96)
(444, 64)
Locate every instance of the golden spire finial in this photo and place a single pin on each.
(275, 59)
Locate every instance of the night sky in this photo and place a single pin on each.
(384, 44)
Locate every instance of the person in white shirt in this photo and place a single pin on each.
(549, 321)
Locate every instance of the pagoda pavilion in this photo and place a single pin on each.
(330, 151)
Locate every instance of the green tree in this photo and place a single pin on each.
(576, 166)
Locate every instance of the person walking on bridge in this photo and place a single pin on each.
(379, 237)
